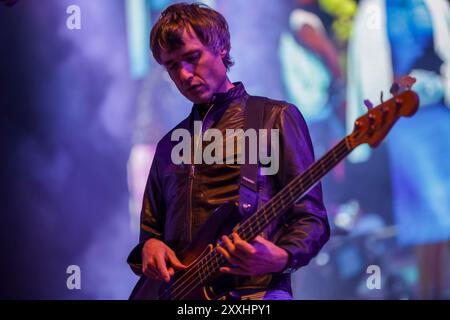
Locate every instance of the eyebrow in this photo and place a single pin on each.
(184, 55)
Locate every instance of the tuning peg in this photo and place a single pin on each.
(382, 97)
(395, 88)
(407, 82)
(368, 104)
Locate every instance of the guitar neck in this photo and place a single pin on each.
(292, 192)
(202, 271)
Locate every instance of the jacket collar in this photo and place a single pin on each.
(219, 101)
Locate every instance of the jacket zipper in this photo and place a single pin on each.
(192, 176)
(191, 183)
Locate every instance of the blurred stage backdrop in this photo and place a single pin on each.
(82, 106)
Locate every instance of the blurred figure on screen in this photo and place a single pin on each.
(391, 39)
(312, 77)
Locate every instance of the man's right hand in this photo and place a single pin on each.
(159, 262)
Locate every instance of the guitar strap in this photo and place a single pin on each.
(248, 187)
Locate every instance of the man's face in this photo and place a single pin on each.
(196, 71)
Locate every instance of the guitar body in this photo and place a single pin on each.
(221, 222)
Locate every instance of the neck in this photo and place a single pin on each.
(227, 85)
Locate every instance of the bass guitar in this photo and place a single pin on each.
(202, 257)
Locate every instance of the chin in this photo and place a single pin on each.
(200, 99)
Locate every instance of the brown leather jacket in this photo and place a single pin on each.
(178, 199)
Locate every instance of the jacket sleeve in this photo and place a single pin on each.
(306, 228)
(152, 217)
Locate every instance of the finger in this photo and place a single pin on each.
(148, 268)
(230, 258)
(171, 271)
(175, 262)
(224, 253)
(147, 272)
(236, 237)
(162, 268)
(151, 273)
(228, 244)
(230, 253)
(242, 246)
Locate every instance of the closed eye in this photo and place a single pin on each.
(193, 58)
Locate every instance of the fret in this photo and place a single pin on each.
(282, 202)
(347, 144)
(202, 273)
(266, 218)
(322, 165)
(214, 266)
(290, 193)
(201, 277)
(334, 156)
(217, 261)
(250, 227)
(273, 211)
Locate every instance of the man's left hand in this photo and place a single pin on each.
(259, 257)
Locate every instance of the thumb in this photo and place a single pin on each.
(260, 240)
(175, 262)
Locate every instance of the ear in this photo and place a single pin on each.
(223, 53)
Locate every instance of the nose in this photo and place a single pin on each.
(185, 73)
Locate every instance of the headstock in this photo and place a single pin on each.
(373, 127)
